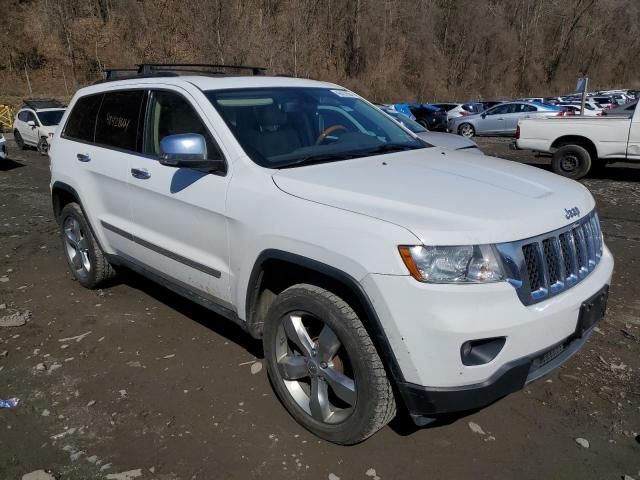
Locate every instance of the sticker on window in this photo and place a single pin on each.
(344, 93)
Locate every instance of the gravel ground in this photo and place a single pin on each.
(135, 382)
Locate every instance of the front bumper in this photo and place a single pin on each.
(423, 403)
(426, 325)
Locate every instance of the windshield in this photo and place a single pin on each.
(50, 118)
(293, 126)
(412, 125)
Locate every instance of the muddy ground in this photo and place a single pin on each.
(133, 377)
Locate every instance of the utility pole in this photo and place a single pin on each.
(26, 74)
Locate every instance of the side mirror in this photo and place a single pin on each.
(188, 150)
(484, 115)
(31, 123)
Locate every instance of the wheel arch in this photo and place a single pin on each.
(277, 269)
(63, 194)
(579, 140)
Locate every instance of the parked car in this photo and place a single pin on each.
(378, 272)
(459, 109)
(605, 101)
(579, 145)
(501, 119)
(438, 139)
(3, 148)
(625, 110)
(428, 116)
(576, 108)
(35, 123)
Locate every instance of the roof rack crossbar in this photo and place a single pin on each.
(40, 103)
(148, 68)
(112, 73)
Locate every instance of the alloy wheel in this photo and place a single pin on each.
(466, 130)
(315, 368)
(76, 245)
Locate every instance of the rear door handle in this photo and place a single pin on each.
(141, 173)
(83, 157)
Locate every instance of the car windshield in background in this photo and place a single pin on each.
(51, 117)
(292, 126)
(410, 124)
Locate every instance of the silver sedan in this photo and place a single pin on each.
(501, 119)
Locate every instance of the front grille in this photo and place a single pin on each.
(549, 264)
(531, 259)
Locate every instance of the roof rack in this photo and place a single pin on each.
(145, 70)
(151, 68)
(39, 103)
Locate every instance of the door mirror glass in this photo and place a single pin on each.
(187, 150)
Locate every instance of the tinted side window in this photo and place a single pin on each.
(22, 116)
(117, 124)
(170, 114)
(499, 110)
(81, 123)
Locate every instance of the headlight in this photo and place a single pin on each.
(464, 264)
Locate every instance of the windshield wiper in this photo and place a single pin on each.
(318, 158)
(389, 148)
(328, 157)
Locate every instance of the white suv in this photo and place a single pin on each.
(378, 270)
(36, 122)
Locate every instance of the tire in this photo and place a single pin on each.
(85, 258)
(466, 130)
(341, 367)
(571, 161)
(423, 122)
(19, 140)
(43, 146)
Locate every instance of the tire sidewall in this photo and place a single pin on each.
(581, 155)
(297, 299)
(43, 146)
(86, 279)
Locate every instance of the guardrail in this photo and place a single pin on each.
(6, 116)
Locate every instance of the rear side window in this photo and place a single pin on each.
(118, 118)
(23, 116)
(81, 123)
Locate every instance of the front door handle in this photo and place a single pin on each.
(83, 157)
(141, 173)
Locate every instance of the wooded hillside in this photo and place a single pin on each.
(384, 49)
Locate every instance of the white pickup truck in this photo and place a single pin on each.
(579, 144)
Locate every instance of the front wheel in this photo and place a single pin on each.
(571, 161)
(86, 259)
(466, 130)
(43, 146)
(324, 367)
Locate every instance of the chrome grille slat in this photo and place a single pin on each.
(544, 266)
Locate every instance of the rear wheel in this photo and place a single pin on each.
(571, 161)
(324, 367)
(19, 141)
(85, 258)
(466, 130)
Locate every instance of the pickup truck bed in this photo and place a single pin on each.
(579, 144)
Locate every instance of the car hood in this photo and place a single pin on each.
(448, 140)
(442, 196)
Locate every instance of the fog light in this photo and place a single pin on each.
(479, 352)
